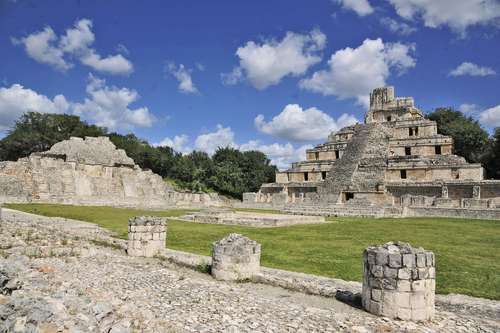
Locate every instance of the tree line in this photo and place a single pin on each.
(229, 171)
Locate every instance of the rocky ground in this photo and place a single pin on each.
(66, 276)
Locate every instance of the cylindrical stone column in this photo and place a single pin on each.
(146, 236)
(399, 281)
(235, 258)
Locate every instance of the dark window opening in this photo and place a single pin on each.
(455, 174)
(416, 131)
(306, 176)
(337, 154)
(389, 118)
(407, 151)
(323, 175)
(437, 150)
(316, 155)
(288, 176)
(403, 174)
(349, 196)
(410, 131)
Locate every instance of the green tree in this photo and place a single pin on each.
(470, 139)
(36, 132)
(491, 157)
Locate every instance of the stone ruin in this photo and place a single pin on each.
(90, 171)
(235, 258)
(146, 236)
(228, 216)
(394, 164)
(399, 281)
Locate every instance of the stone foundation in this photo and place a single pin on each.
(399, 281)
(235, 258)
(146, 236)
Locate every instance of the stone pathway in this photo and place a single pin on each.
(103, 290)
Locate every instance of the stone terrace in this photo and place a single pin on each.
(106, 291)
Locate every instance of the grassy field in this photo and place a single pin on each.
(467, 251)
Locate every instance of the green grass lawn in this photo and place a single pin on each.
(467, 251)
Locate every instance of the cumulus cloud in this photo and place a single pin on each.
(353, 73)
(109, 106)
(281, 155)
(297, 124)
(458, 15)
(16, 100)
(361, 7)
(76, 43)
(469, 68)
(265, 64)
(469, 108)
(490, 117)
(183, 76)
(179, 143)
(401, 28)
(40, 47)
(220, 138)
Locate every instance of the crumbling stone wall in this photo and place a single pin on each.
(146, 236)
(399, 281)
(90, 172)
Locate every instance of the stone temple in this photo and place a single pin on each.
(395, 164)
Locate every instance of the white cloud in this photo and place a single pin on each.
(361, 7)
(183, 76)
(296, 124)
(233, 77)
(353, 73)
(457, 14)
(179, 143)
(469, 108)
(16, 100)
(109, 106)
(39, 46)
(401, 28)
(281, 155)
(490, 117)
(209, 142)
(469, 68)
(76, 43)
(265, 64)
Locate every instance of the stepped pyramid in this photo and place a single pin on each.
(397, 153)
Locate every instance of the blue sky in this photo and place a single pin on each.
(271, 75)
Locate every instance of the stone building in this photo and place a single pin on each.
(90, 171)
(395, 159)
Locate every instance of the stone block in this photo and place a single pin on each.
(409, 260)
(376, 295)
(390, 272)
(395, 260)
(378, 271)
(235, 258)
(406, 289)
(404, 273)
(146, 237)
(420, 259)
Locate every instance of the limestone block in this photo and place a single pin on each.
(399, 281)
(146, 236)
(235, 258)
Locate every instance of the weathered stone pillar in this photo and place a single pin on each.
(476, 192)
(146, 236)
(399, 281)
(235, 258)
